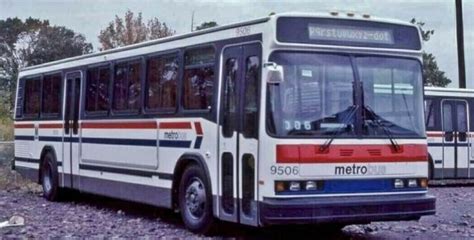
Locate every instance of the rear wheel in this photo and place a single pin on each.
(195, 200)
(49, 177)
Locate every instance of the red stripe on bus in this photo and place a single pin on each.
(118, 125)
(197, 126)
(175, 125)
(351, 153)
(435, 134)
(51, 125)
(24, 126)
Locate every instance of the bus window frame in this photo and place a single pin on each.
(127, 112)
(37, 116)
(92, 114)
(58, 115)
(183, 68)
(165, 111)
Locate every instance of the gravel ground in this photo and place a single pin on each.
(82, 215)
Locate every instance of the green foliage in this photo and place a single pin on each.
(432, 75)
(31, 42)
(130, 30)
(205, 25)
(54, 43)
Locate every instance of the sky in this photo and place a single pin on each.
(90, 16)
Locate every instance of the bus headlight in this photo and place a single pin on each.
(398, 183)
(311, 186)
(295, 186)
(412, 183)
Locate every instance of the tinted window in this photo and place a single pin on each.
(199, 78)
(461, 112)
(51, 94)
(97, 89)
(161, 82)
(127, 86)
(429, 113)
(32, 97)
(447, 117)
(250, 118)
(230, 97)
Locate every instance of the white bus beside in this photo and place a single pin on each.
(288, 119)
(449, 124)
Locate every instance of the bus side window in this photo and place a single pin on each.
(198, 78)
(430, 114)
(31, 105)
(161, 83)
(20, 98)
(51, 95)
(127, 86)
(97, 89)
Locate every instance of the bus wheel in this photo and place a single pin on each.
(49, 177)
(195, 200)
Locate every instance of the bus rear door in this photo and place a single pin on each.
(455, 140)
(238, 135)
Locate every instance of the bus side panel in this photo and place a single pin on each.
(26, 158)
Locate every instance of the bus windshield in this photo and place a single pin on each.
(318, 96)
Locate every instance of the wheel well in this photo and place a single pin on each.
(45, 150)
(181, 165)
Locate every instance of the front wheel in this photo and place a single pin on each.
(49, 177)
(195, 200)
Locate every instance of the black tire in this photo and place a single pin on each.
(49, 177)
(195, 200)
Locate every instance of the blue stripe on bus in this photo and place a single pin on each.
(198, 142)
(175, 144)
(27, 138)
(353, 186)
(447, 144)
(119, 141)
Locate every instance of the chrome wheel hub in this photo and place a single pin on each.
(196, 198)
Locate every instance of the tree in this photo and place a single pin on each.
(433, 76)
(32, 42)
(130, 30)
(205, 25)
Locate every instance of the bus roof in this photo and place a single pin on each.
(340, 15)
(452, 92)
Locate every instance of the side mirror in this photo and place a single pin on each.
(274, 72)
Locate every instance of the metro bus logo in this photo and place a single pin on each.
(178, 134)
(359, 170)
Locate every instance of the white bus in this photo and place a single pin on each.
(449, 122)
(288, 119)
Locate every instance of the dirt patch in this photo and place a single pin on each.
(12, 181)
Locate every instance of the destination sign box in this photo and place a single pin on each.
(350, 34)
(347, 32)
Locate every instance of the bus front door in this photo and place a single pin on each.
(71, 129)
(238, 134)
(456, 139)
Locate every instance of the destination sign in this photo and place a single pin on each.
(350, 34)
(347, 32)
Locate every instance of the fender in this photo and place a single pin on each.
(185, 159)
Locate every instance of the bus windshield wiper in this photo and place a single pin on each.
(327, 144)
(376, 119)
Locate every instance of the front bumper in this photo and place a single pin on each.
(353, 209)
